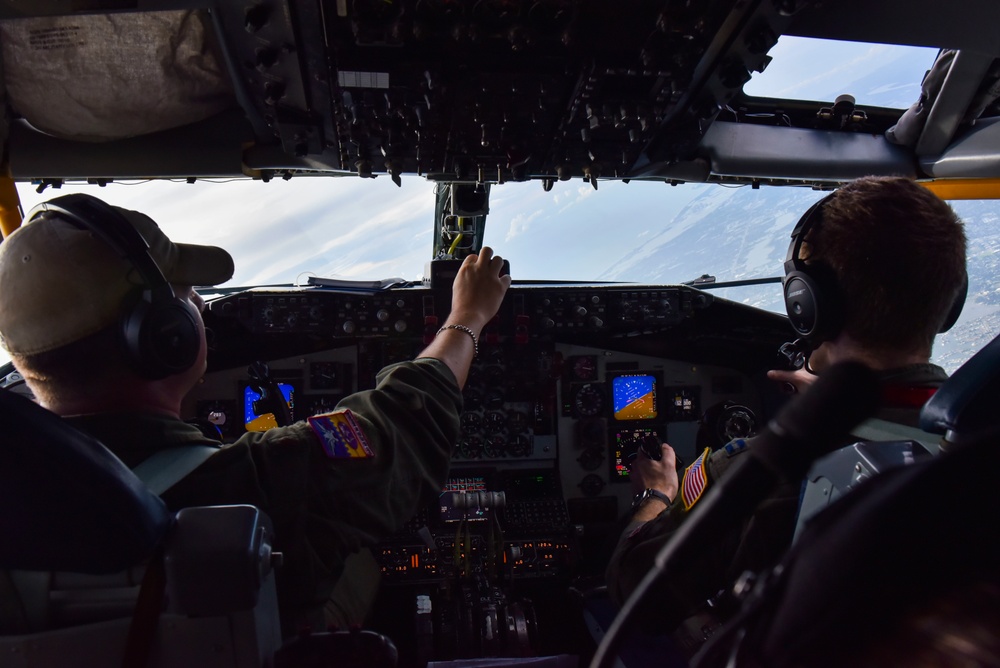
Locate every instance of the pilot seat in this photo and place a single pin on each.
(95, 570)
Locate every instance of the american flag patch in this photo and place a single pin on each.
(695, 481)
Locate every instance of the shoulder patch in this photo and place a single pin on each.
(735, 446)
(695, 481)
(340, 435)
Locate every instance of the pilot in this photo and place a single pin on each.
(888, 259)
(67, 318)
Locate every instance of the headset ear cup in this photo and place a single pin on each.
(956, 306)
(813, 303)
(161, 338)
(800, 303)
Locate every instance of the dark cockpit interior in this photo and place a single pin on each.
(570, 378)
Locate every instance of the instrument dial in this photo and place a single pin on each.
(494, 422)
(471, 423)
(588, 400)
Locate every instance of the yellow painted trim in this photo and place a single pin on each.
(10, 206)
(964, 188)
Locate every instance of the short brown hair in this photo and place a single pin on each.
(76, 369)
(898, 252)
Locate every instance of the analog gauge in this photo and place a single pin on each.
(591, 458)
(520, 446)
(592, 433)
(736, 421)
(588, 400)
(591, 485)
(585, 368)
(494, 422)
(472, 399)
(470, 447)
(493, 398)
(517, 422)
(471, 423)
(495, 446)
(325, 376)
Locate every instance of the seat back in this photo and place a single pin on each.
(77, 546)
(78, 507)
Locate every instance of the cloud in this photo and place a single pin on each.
(520, 224)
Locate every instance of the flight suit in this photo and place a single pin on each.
(755, 545)
(323, 508)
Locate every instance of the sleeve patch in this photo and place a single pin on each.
(340, 435)
(695, 481)
(735, 447)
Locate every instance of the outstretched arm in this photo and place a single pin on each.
(476, 295)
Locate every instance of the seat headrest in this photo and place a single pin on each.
(66, 502)
(965, 404)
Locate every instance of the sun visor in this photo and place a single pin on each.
(102, 77)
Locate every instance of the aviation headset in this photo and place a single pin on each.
(813, 298)
(159, 331)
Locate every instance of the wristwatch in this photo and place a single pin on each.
(650, 493)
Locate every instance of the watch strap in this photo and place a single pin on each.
(650, 493)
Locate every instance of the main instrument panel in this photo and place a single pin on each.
(568, 382)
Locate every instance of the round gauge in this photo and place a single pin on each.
(471, 423)
(493, 398)
(495, 446)
(585, 368)
(517, 422)
(470, 447)
(588, 400)
(591, 433)
(472, 399)
(736, 421)
(591, 485)
(591, 459)
(324, 376)
(494, 422)
(520, 446)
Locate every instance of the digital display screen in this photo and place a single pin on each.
(634, 397)
(625, 444)
(256, 421)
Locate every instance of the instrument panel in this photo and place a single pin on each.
(569, 381)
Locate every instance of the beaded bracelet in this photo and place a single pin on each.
(463, 328)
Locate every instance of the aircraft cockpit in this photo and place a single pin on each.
(638, 165)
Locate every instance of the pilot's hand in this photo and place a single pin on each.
(478, 290)
(655, 474)
(795, 381)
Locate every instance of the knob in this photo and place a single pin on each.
(400, 303)
(267, 313)
(292, 319)
(348, 327)
(580, 311)
(400, 326)
(382, 315)
(595, 321)
(548, 323)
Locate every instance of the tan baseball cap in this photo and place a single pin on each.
(60, 283)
